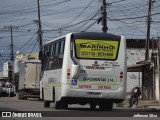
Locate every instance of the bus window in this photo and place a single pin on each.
(57, 48)
(46, 57)
(52, 50)
(61, 47)
(55, 58)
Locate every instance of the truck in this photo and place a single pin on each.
(29, 79)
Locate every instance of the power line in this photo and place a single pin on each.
(27, 42)
(29, 45)
(22, 12)
(89, 21)
(92, 16)
(90, 26)
(33, 47)
(16, 35)
(79, 13)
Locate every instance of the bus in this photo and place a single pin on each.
(84, 68)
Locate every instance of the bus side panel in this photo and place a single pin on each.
(52, 84)
(123, 59)
(48, 93)
(57, 92)
(67, 62)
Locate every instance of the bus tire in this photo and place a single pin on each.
(57, 105)
(109, 106)
(46, 104)
(64, 105)
(92, 106)
(102, 106)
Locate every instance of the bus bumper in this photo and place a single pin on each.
(114, 95)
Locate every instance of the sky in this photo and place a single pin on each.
(58, 17)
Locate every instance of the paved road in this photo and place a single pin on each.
(23, 106)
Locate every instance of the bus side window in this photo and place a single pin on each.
(51, 49)
(51, 55)
(61, 53)
(46, 57)
(61, 47)
(57, 49)
(54, 55)
(54, 49)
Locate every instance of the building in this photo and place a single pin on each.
(143, 73)
(27, 56)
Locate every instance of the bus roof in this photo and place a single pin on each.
(57, 38)
(84, 34)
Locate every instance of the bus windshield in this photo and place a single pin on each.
(96, 49)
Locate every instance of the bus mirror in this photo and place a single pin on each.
(75, 71)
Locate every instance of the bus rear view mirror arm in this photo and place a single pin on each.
(75, 71)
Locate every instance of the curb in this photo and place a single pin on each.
(154, 107)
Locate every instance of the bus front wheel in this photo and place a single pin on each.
(57, 105)
(46, 103)
(92, 106)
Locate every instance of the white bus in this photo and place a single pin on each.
(84, 68)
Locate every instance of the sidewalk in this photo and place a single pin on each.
(148, 104)
(142, 104)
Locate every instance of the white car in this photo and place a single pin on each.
(7, 91)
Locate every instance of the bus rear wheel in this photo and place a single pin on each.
(64, 106)
(57, 105)
(92, 106)
(109, 106)
(102, 106)
(60, 105)
(46, 103)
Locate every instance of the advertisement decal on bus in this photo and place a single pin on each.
(99, 49)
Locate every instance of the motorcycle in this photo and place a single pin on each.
(134, 99)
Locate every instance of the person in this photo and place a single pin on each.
(8, 86)
(136, 92)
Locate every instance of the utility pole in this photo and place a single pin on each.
(12, 50)
(11, 67)
(39, 33)
(104, 16)
(148, 30)
(159, 64)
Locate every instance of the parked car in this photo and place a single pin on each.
(7, 90)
